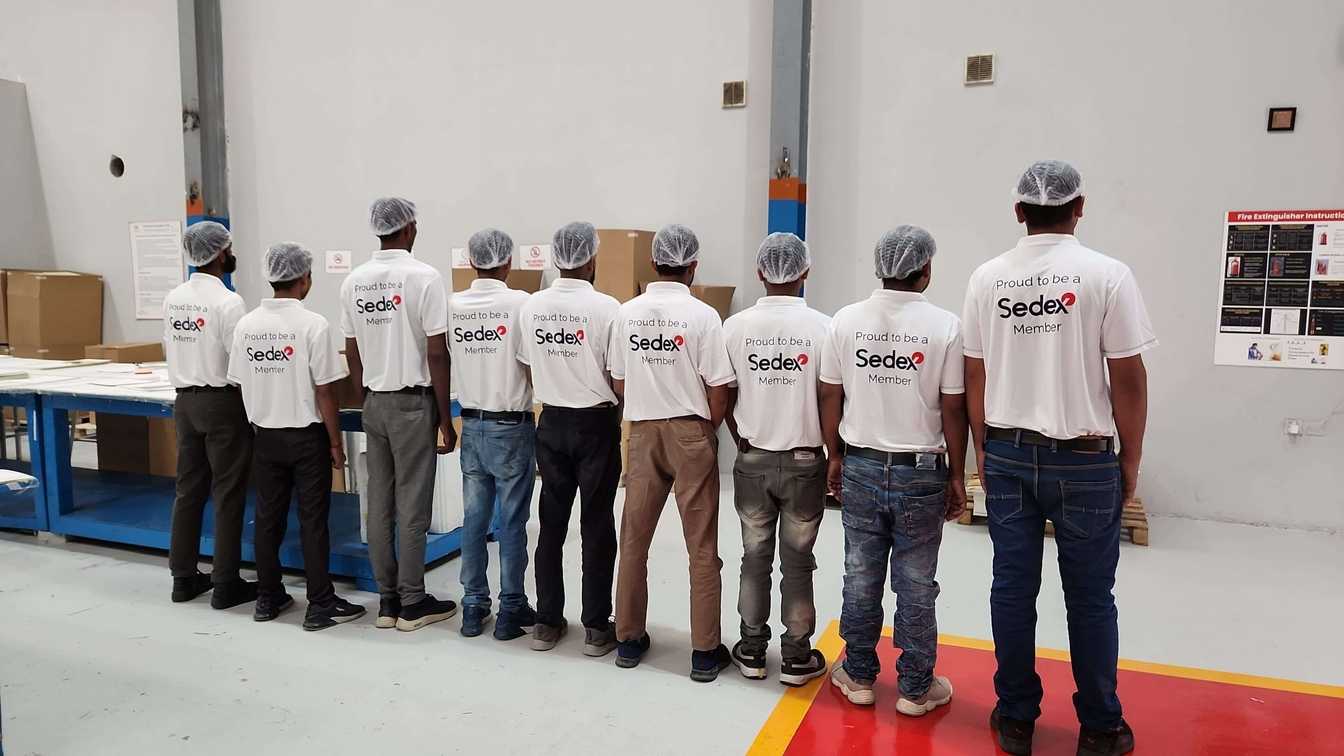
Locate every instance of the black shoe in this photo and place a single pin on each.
(1014, 735)
(389, 609)
(426, 611)
(1105, 742)
(515, 624)
(750, 659)
(629, 652)
(796, 672)
(706, 665)
(270, 605)
(188, 588)
(474, 620)
(335, 613)
(231, 594)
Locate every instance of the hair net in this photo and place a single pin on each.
(782, 258)
(287, 261)
(574, 245)
(203, 242)
(675, 245)
(1050, 183)
(490, 248)
(902, 251)
(388, 215)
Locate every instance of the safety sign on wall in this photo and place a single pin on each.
(156, 264)
(1281, 302)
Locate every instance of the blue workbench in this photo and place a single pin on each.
(26, 510)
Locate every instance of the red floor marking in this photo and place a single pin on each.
(1170, 715)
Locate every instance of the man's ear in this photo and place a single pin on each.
(1017, 208)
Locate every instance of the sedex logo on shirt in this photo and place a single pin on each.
(384, 298)
(269, 358)
(889, 366)
(483, 338)
(1042, 306)
(188, 324)
(186, 321)
(560, 336)
(480, 333)
(776, 368)
(270, 354)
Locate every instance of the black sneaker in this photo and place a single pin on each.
(629, 652)
(515, 624)
(233, 593)
(335, 613)
(706, 665)
(474, 620)
(750, 660)
(1105, 742)
(270, 605)
(796, 672)
(389, 609)
(426, 611)
(1014, 735)
(188, 588)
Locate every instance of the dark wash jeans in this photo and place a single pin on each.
(1080, 493)
(891, 512)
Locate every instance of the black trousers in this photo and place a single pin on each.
(293, 463)
(214, 452)
(578, 451)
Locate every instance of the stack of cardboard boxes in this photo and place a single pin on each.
(50, 315)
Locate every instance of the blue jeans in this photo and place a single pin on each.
(1080, 493)
(498, 461)
(896, 513)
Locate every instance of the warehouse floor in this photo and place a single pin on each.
(94, 659)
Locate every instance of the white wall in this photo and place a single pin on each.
(519, 115)
(1162, 106)
(25, 236)
(102, 79)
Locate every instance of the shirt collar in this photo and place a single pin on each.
(899, 297)
(207, 279)
(488, 284)
(666, 287)
(1046, 240)
(390, 254)
(780, 301)
(571, 284)
(277, 303)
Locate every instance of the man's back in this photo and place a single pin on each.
(199, 316)
(483, 339)
(566, 330)
(390, 305)
(280, 350)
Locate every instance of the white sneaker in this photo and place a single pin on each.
(939, 693)
(857, 692)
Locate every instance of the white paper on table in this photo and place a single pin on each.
(45, 380)
(140, 382)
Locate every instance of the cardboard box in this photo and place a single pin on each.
(523, 280)
(143, 351)
(718, 297)
(63, 352)
(137, 444)
(624, 262)
(53, 308)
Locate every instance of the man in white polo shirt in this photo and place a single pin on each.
(892, 391)
(1046, 322)
(394, 314)
(667, 359)
(214, 441)
(285, 361)
(498, 436)
(779, 479)
(564, 331)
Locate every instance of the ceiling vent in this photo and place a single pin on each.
(734, 94)
(980, 69)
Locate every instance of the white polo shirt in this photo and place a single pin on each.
(391, 305)
(666, 345)
(565, 330)
(895, 354)
(199, 316)
(280, 351)
(483, 336)
(775, 348)
(1045, 316)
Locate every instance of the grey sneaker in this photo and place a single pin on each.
(857, 692)
(599, 642)
(544, 637)
(939, 693)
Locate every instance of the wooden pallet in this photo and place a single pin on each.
(1133, 519)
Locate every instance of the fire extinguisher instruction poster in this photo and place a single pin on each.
(1281, 298)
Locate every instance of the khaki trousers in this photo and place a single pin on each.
(676, 455)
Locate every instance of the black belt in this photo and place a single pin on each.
(745, 446)
(412, 390)
(206, 389)
(476, 414)
(595, 408)
(893, 459)
(1020, 436)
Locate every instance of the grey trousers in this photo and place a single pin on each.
(401, 430)
(782, 492)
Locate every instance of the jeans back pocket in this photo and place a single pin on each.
(1089, 507)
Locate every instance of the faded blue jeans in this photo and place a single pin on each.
(891, 513)
(498, 461)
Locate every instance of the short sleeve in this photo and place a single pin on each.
(324, 361)
(712, 360)
(1125, 328)
(971, 343)
(434, 306)
(233, 313)
(830, 357)
(347, 320)
(524, 343)
(730, 338)
(236, 362)
(615, 354)
(953, 380)
(603, 319)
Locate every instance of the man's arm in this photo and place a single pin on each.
(954, 432)
(1129, 403)
(975, 409)
(728, 415)
(440, 377)
(718, 403)
(618, 388)
(355, 363)
(830, 406)
(331, 418)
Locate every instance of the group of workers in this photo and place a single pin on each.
(1043, 373)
